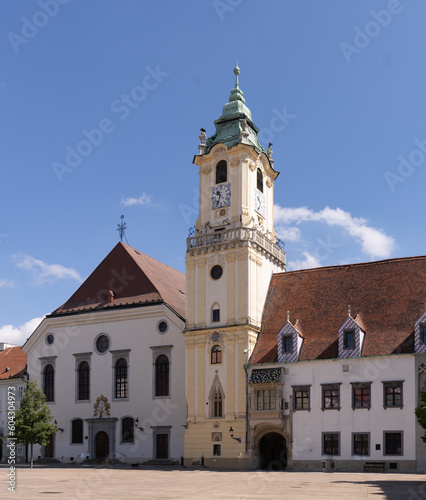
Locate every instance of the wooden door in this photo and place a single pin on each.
(162, 446)
(49, 449)
(102, 444)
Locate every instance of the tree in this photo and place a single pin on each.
(32, 419)
(421, 413)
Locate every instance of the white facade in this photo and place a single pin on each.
(14, 388)
(304, 429)
(134, 336)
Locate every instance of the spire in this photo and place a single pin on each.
(235, 125)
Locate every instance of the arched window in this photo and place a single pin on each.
(217, 404)
(162, 375)
(221, 172)
(216, 355)
(127, 430)
(83, 381)
(121, 378)
(259, 180)
(77, 431)
(49, 383)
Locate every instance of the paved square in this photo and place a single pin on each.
(80, 483)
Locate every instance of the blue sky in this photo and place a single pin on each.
(337, 87)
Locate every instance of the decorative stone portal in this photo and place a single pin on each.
(102, 437)
(273, 452)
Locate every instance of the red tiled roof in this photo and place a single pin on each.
(13, 362)
(386, 297)
(134, 278)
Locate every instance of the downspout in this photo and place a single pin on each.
(247, 408)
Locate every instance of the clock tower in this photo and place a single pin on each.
(229, 262)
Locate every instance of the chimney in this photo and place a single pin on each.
(109, 297)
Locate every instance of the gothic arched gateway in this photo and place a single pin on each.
(273, 452)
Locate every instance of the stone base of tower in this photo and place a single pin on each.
(209, 444)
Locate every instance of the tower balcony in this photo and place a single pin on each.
(235, 237)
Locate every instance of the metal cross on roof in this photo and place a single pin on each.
(121, 228)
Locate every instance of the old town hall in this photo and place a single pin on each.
(238, 363)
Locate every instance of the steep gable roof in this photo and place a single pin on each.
(13, 363)
(388, 295)
(134, 278)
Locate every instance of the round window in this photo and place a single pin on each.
(102, 343)
(216, 272)
(162, 326)
(50, 338)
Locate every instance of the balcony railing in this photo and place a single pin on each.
(235, 235)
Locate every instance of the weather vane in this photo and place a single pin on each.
(122, 228)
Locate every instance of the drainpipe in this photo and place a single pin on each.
(247, 412)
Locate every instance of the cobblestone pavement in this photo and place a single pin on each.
(80, 483)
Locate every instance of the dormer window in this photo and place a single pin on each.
(259, 180)
(287, 344)
(423, 333)
(349, 339)
(221, 172)
(420, 334)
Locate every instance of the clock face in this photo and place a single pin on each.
(221, 196)
(259, 203)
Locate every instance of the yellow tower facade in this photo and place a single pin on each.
(230, 258)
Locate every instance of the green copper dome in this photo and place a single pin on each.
(235, 124)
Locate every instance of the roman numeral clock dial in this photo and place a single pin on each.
(259, 203)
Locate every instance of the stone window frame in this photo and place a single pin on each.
(301, 388)
(330, 433)
(368, 434)
(263, 389)
(44, 362)
(361, 385)
(115, 356)
(156, 352)
(330, 387)
(393, 384)
(79, 358)
(385, 451)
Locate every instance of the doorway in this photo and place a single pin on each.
(162, 446)
(273, 452)
(102, 444)
(49, 449)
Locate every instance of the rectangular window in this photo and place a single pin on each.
(423, 334)
(349, 339)
(361, 395)
(393, 443)
(216, 315)
(287, 343)
(361, 444)
(301, 398)
(392, 394)
(217, 450)
(77, 431)
(330, 443)
(331, 396)
(266, 399)
(20, 392)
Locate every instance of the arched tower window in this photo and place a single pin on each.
(121, 379)
(83, 381)
(216, 399)
(221, 172)
(259, 180)
(49, 383)
(162, 375)
(216, 355)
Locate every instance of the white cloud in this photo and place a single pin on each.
(6, 284)
(144, 199)
(373, 241)
(45, 273)
(18, 334)
(309, 262)
(288, 233)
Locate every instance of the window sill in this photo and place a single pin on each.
(120, 399)
(161, 397)
(390, 407)
(361, 408)
(328, 409)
